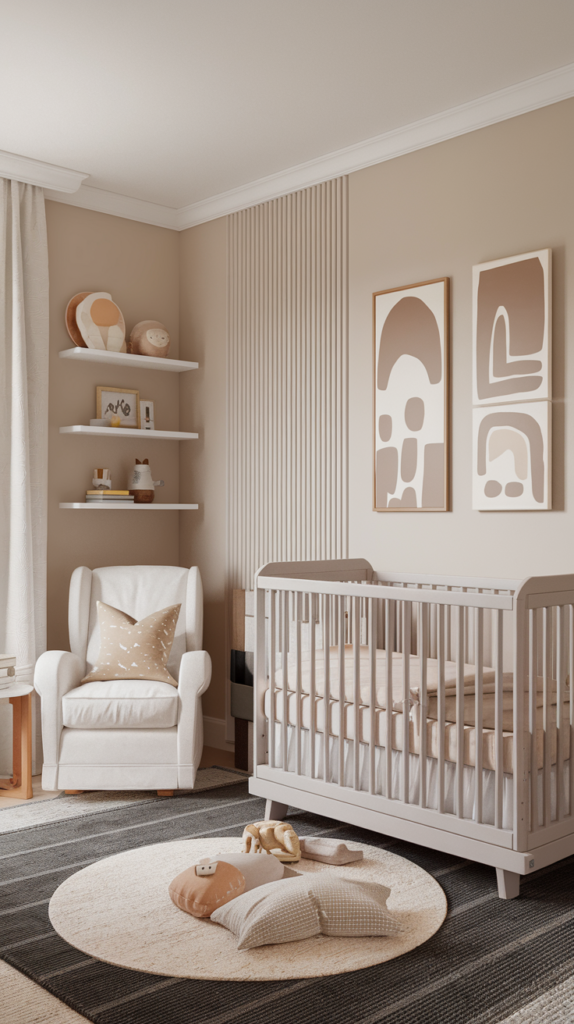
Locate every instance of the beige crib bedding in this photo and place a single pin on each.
(415, 728)
(450, 672)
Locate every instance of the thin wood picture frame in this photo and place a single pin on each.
(127, 409)
(411, 398)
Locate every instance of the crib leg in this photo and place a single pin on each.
(508, 884)
(275, 811)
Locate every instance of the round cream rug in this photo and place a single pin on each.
(118, 910)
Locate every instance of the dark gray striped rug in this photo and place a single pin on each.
(490, 958)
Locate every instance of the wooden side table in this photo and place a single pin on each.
(20, 696)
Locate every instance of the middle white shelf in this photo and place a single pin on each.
(157, 435)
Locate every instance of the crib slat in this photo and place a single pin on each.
(341, 691)
(440, 642)
(298, 689)
(406, 703)
(356, 604)
(423, 654)
(312, 701)
(272, 676)
(478, 706)
(533, 683)
(560, 673)
(460, 712)
(498, 739)
(327, 689)
(285, 671)
(372, 626)
(389, 641)
(546, 712)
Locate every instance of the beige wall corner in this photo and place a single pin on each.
(138, 265)
(497, 192)
(203, 292)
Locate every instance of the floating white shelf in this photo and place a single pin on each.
(96, 355)
(109, 507)
(158, 435)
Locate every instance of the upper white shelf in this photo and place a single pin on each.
(96, 355)
(165, 435)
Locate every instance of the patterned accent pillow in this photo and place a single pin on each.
(300, 908)
(134, 650)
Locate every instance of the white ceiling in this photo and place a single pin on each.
(177, 101)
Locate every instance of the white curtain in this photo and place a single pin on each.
(23, 428)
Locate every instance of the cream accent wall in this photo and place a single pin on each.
(503, 190)
(203, 295)
(139, 265)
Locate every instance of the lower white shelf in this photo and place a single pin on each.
(119, 506)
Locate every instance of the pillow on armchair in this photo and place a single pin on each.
(134, 650)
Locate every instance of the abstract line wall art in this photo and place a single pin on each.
(512, 383)
(411, 387)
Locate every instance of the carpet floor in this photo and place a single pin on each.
(490, 961)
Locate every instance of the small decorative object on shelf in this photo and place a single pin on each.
(109, 497)
(147, 418)
(102, 480)
(272, 837)
(94, 321)
(149, 338)
(120, 407)
(141, 484)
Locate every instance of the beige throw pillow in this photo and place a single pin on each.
(134, 650)
(300, 908)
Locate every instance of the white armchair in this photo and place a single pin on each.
(128, 734)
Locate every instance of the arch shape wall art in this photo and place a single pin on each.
(411, 397)
(512, 383)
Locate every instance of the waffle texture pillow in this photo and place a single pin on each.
(300, 908)
(134, 650)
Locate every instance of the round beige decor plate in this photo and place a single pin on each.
(118, 910)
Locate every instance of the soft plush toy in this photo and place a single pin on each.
(101, 323)
(149, 338)
(202, 888)
(272, 837)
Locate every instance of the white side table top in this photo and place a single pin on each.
(15, 690)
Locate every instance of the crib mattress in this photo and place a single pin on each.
(415, 729)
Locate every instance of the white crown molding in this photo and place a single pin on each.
(36, 172)
(468, 117)
(97, 199)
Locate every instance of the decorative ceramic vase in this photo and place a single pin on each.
(149, 338)
(141, 484)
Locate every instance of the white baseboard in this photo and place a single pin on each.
(214, 734)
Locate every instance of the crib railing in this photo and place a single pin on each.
(363, 635)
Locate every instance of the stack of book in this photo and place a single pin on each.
(109, 497)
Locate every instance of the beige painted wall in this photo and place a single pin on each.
(138, 264)
(497, 192)
(203, 287)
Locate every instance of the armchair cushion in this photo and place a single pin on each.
(134, 650)
(121, 704)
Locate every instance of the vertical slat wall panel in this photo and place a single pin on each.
(287, 381)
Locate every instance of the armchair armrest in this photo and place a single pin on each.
(56, 673)
(194, 678)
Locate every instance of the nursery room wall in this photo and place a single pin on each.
(497, 192)
(138, 265)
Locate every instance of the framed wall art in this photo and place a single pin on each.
(411, 397)
(121, 404)
(512, 383)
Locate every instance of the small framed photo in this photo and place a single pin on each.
(123, 404)
(147, 418)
